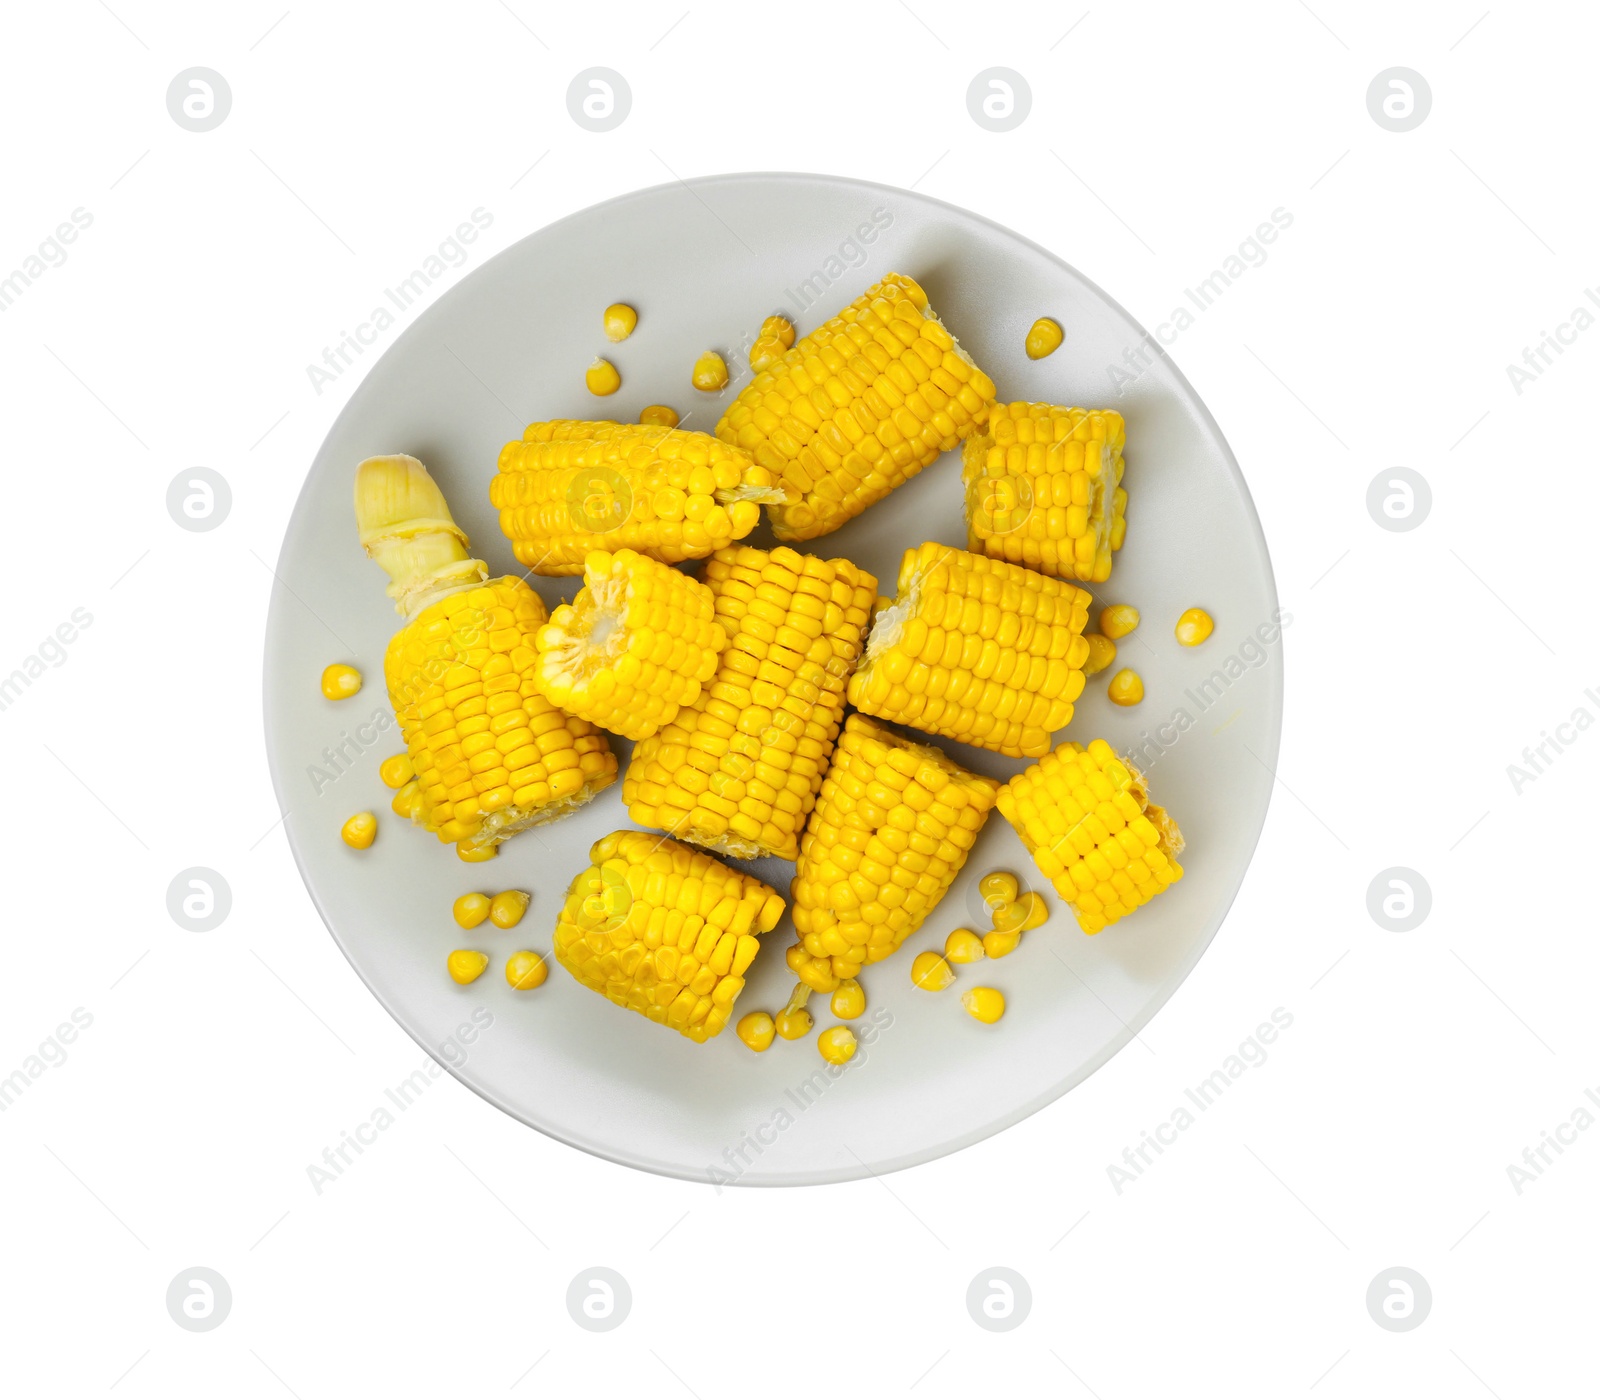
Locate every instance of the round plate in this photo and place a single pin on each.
(703, 262)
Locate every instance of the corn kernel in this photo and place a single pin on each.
(619, 321)
(1118, 620)
(1102, 652)
(710, 373)
(473, 855)
(507, 908)
(756, 1030)
(997, 889)
(602, 378)
(1044, 338)
(1193, 627)
(340, 682)
(963, 946)
(360, 830)
(466, 965)
(931, 972)
(526, 970)
(396, 770)
(778, 328)
(1035, 910)
(470, 910)
(998, 943)
(794, 1020)
(1009, 918)
(659, 415)
(837, 1044)
(1125, 688)
(848, 1000)
(984, 1004)
(404, 803)
(764, 352)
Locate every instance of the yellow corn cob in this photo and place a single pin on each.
(567, 488)
(491, 754)
(738, 769)
(857, 407)
(890, 831)
(1087, 819)
(977, 650)
(638, 642)
(1044, 488)
(664, 930)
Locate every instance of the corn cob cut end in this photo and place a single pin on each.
(406, 525)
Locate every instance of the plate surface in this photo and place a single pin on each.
(703, 263)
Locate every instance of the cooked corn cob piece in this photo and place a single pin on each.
(1044, 488)
(638, 642)
(977, 650)
(492, 755)
(738, 769)
(857, 407)
(1088, 821)
(568, 488)
(891, 829)
(664, 929)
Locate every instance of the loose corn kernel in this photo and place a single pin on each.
(931, 972)
(756, 1030)
(765, 351)
(1117, 620)
(340, 682)
(963, 946)
(848, 1000)
(1035, 910)
(659, 415)
(507, 908)
(997, 889)
(778, 328)
(470, 910)
(837, 1044)
(396, 770)
(1044, 338)
(999, 943)
(466, 965)
(1009, 918)
(406, 799)
(710, 373)
(1193, 627)
(1126, 688)
(475, 855)
(1102, 652)
(619, 321)
(360, 830)
(526, 970)
(602, 378)
(794, 1020)
(984, 1004)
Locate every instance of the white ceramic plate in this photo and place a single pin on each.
(704, 262)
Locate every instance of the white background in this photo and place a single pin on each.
(1377, 334)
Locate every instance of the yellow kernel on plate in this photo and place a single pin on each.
(619, 321)
(466, 965)
(340, 682)
(963, 946)
(710, 373)
(659, 415)
(470, 910)
(526, 970)
(837, 1044)
(1000, 943)
(778, 328)
(602, 378)
(756, 1030)
(1044, 338)
(766, 350)
(931, 972)
(1009, 918)
(1118, 620)
(1102, 652)
(466, 851)
(1193, 627)
(794, 1020)
(1037, 910)
(405, 800)
(984, 1004)
(998, 888)
(507, 908)
(396, 770)
(360, 830)
(1126, 688)
(848, 1000)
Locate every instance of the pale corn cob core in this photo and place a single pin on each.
(491, 755)
(638, 643)
(1044, 489)
(664, 929)
(568, 488)
(857, 407)
(739, 768)
(977, 650)
(890, 831)
(1086, 817)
